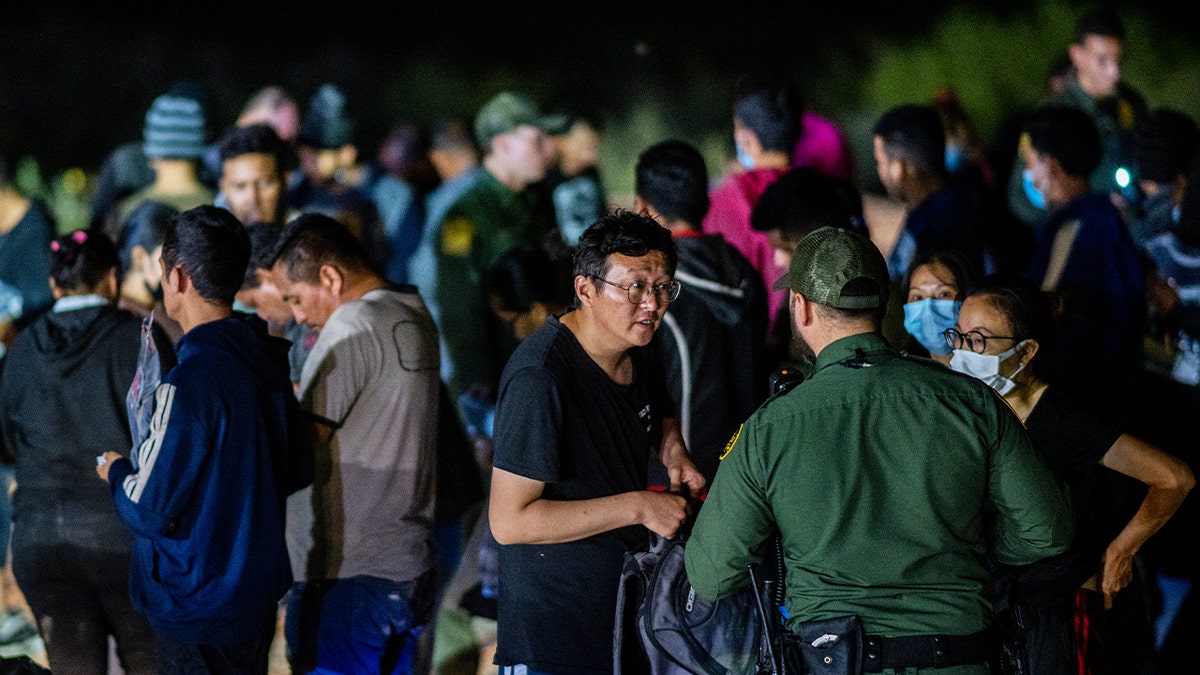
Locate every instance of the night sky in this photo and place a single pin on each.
(76, 78)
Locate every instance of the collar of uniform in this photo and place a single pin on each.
(492, 184)
(846, 348)
(1074, 95)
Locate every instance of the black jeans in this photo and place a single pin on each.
(80, 597)
(242, 658)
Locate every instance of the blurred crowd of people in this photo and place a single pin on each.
(372, 369)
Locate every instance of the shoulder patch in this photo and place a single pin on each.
(458, 235)
(1125, 114)
(729, 446)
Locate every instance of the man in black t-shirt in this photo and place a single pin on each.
(580, 406)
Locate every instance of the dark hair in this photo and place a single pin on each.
(623, 232)
(5, 172)
(211, 245)
(524, 275)
(312, 240)
(146, 226)
(803, 200)
(264, 237)
(773, 110)
(914, 133)
(261, 139)
(325, 124)
(453, 133)
(671, 177)
(567, 115)
(404, 152)
(1188, 227)
(1163, 143)
(956, 262)
(1029, 310)
(1104, 22)
(1068, 135)
(81, 259)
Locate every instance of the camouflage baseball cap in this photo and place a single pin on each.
(507, 111)
(836, 267)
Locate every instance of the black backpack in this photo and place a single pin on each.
(677, 631)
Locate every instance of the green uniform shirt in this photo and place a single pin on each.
(485, 222)
(877, 471)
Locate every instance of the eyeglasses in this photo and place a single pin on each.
(973, 339)
(637, 290)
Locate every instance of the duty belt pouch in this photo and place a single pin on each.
(827, 647)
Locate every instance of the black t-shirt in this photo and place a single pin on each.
(561, 420)
(1072, 438)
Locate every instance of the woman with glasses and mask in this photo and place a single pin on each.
(1083, 611)
(935, 284)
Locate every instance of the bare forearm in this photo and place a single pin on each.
(1168, 480)
(1157, 508)
(548, 521)
(678, 461)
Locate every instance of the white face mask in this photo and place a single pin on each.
(986, 367)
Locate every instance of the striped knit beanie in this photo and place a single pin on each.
(175, 128)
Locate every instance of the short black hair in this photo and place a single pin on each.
(81, 259)
(914, 133)
(623, 232)
(259, 139)
(264, 237)
(453, 133)
(146, 226)
(312, 240)
(805, 199)
(570, 114)
(211, 245)
(1068, 135)
(671, 177)
(773, 109)
(1104, 22)
(527, 274)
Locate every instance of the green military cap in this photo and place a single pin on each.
(507, 111)
(837, 267)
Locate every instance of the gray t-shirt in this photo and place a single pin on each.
(373, 377)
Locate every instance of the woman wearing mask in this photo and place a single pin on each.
(62, 402)
(935, 285)
(1076, 617)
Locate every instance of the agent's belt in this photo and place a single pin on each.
(925, 651)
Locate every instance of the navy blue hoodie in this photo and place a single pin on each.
(204, 493)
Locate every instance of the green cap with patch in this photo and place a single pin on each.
(507, 111)
(837, 267)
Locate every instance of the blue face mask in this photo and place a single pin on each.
(1033, 194)
(954, 157)
(927, 320)
(744, 158)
